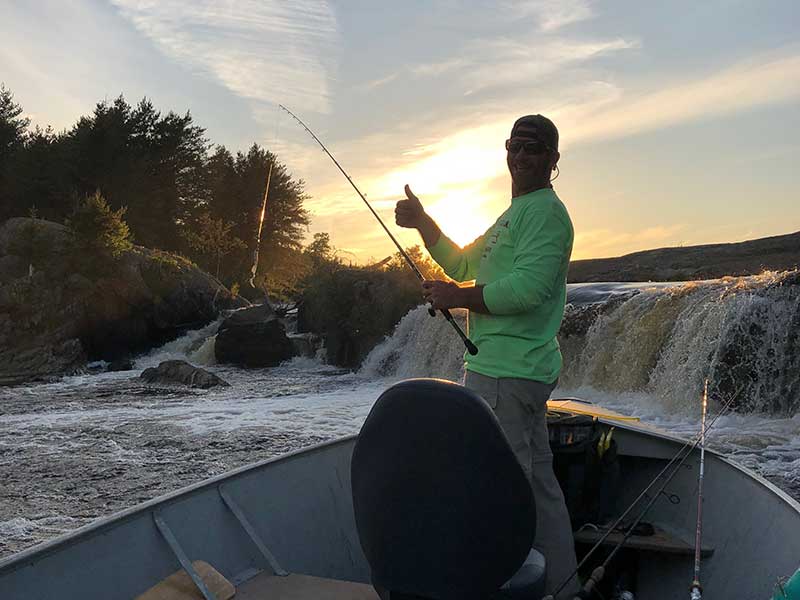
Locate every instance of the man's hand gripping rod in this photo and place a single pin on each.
(471, 348)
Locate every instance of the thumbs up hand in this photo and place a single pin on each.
(409, 212)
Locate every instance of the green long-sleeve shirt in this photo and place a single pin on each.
(522, 261)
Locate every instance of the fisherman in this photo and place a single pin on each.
(515, 309)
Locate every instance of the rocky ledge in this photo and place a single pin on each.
(60, 313)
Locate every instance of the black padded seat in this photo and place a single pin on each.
(527, 582)
(443, 509)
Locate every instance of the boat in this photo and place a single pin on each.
(285, 528)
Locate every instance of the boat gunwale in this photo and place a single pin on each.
(652, 430)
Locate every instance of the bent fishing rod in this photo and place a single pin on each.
(471, 348)
(599, 572)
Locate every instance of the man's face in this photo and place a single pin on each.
(528, 170)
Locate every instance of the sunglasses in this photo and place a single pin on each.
(514, 146)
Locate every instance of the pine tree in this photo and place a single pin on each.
(13, 128)
(213, 238)
(100, 232)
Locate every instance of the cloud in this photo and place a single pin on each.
(760, 81)
(376, 83)
(265, 51)
(552, 14)
(524, 63)
(458, 168)
(435, 69)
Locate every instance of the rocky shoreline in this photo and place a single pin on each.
(57, 316)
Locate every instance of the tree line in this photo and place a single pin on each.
(175, 189)
(179, 191)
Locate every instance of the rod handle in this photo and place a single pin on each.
(471, 348)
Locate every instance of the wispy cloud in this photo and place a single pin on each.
(551, 15)
(435, 69)
(265, 51)
(503, 62)
(760, 81)
(524, 63)
(376, 83)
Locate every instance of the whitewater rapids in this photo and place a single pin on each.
(90, 445)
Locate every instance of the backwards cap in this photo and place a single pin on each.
(541, 127)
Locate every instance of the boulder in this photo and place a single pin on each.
(183, 373)
(253, 337)
(38, 362)
(121, 364)
(146, 299)
(12, 267)
(306, 344)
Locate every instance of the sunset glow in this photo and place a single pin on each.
(667, 138)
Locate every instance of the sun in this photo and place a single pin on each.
(462, 216)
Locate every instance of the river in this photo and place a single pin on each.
(93, 444)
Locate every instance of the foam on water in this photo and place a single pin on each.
(196, 346)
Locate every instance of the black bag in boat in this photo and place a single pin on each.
(589, 476)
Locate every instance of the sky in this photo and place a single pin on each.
(679, 121)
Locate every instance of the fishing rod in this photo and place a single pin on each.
(471, 348)
(696, 590)
(254, 268)
(598, 572)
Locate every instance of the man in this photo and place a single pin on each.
(515, 310)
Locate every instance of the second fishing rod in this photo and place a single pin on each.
(471, 348)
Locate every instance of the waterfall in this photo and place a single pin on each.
(421, 346)
(196, 347)
(742, 333)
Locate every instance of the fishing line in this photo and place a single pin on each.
(471, 348)
(689, 444)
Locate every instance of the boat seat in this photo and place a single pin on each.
(527, 582)
(443, 508)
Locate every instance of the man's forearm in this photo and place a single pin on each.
(472, 299)
(429, 231)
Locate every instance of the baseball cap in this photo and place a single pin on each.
(544, 129)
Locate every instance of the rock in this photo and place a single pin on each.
(40, 361)
(148, 298)
(253, 337)
(54, 236)
(12, 267)
(181, 372)
(305, 344)
(121, 364)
